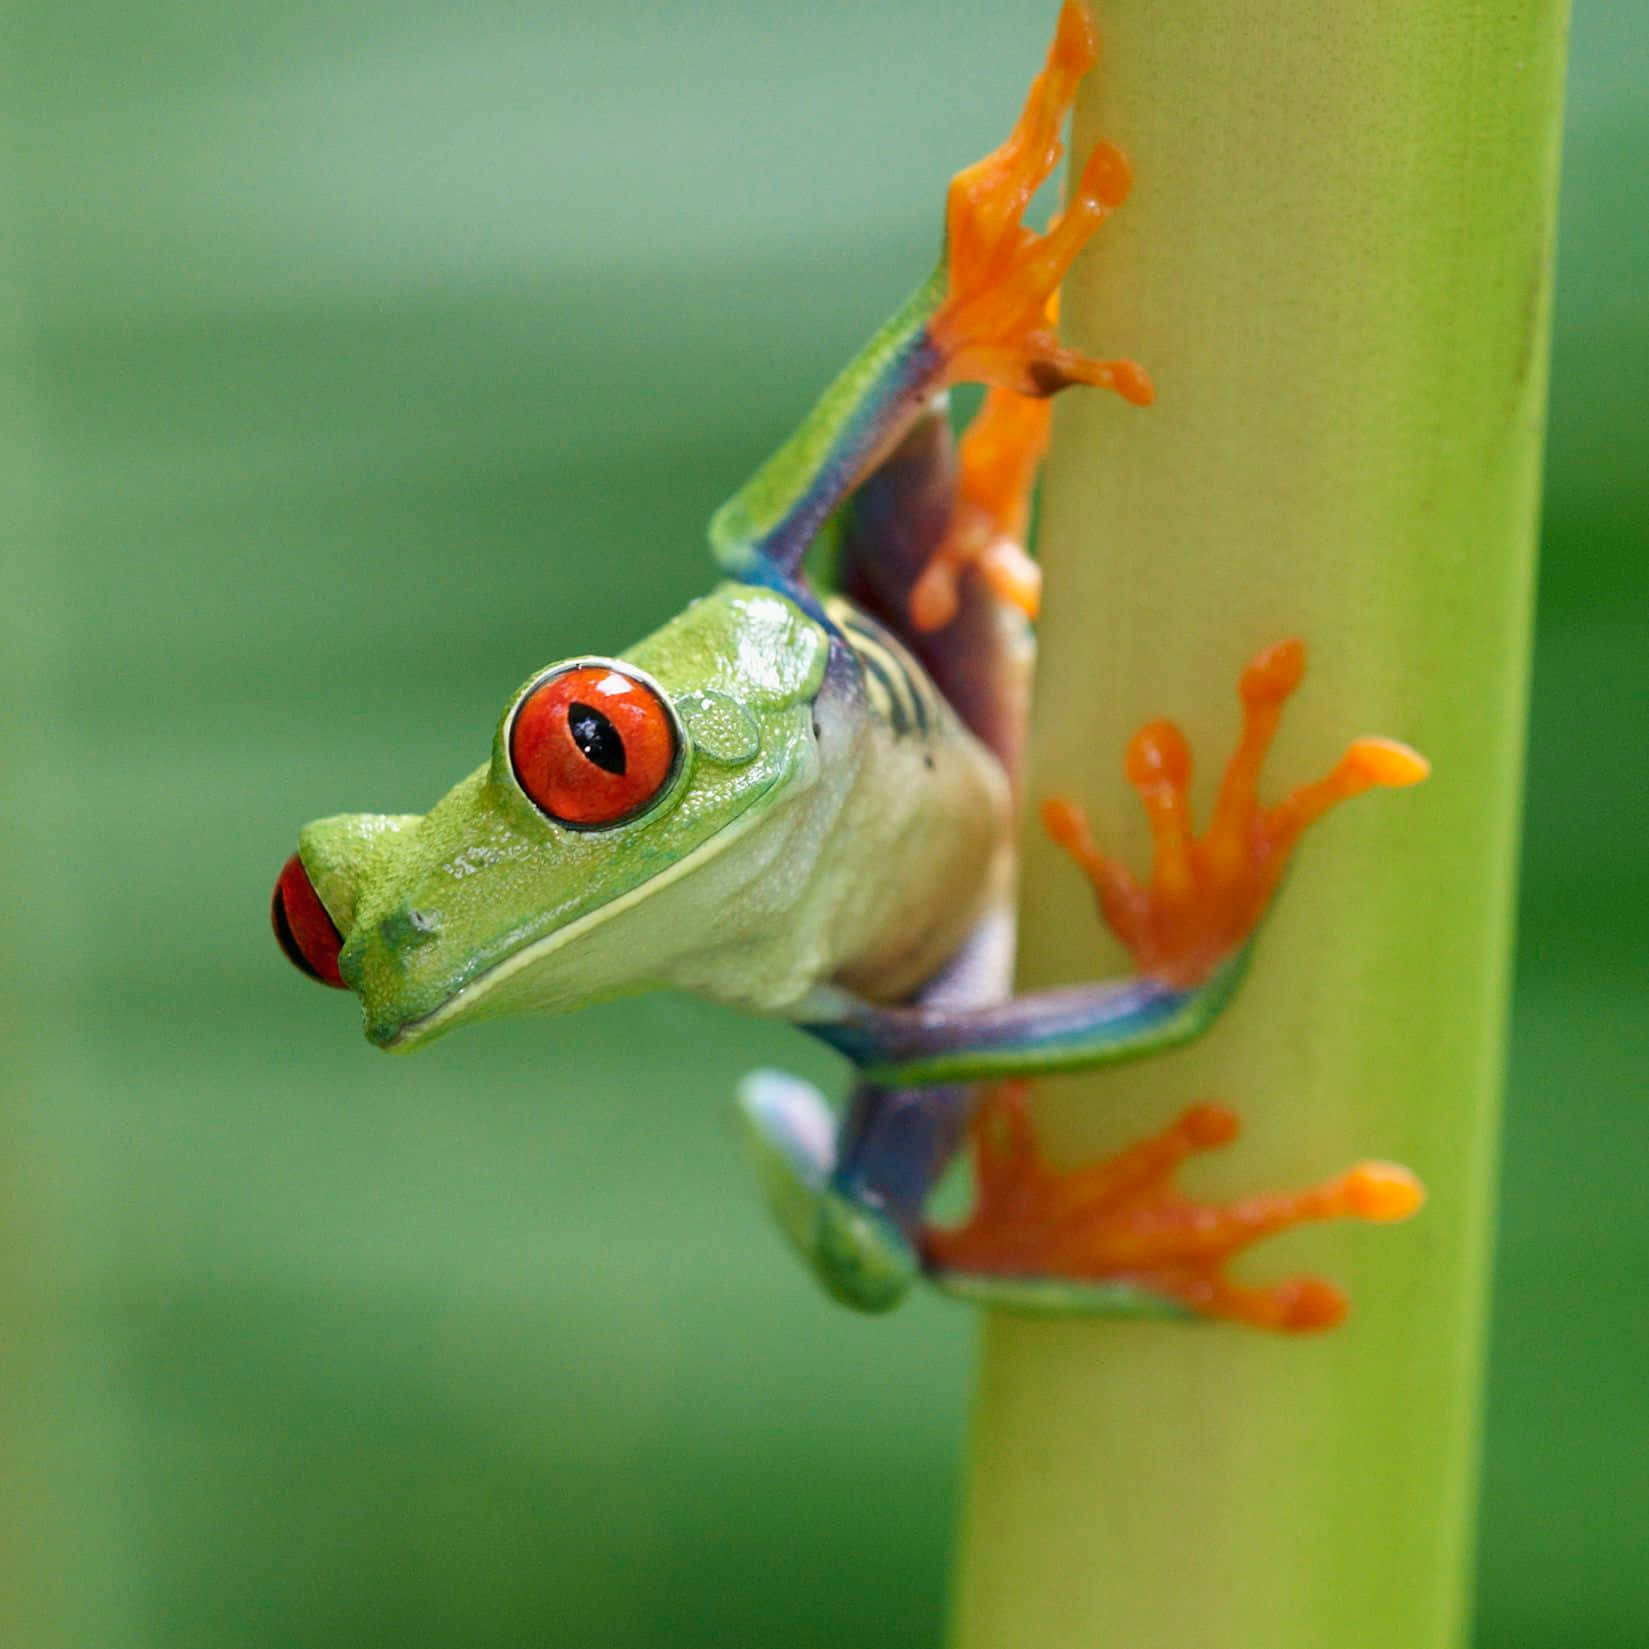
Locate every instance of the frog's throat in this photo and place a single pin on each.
(399, 1036)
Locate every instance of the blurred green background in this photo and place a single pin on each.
(359, 359)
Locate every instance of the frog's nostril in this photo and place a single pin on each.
(306, 933)
(407, 929)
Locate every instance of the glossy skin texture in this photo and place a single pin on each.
(742, 880)
(802, 806)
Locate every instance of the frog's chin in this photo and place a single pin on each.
(475, 1001)
(398, 1036)
(524, 981)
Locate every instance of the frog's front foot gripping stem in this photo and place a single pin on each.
(1207, 894)
(1115, 1235)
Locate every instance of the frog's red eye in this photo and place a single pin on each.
(307, 934)
(593, 745)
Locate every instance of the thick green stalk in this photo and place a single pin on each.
(1337, 265)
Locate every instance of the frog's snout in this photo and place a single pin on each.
(306, 932)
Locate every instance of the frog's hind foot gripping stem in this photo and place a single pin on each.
(997, 459)
(1207, 894)
(995, 324)
(1117, 1236)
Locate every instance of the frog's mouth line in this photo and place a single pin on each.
(410, 1033)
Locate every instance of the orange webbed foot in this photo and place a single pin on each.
(1121, 1222)
(1207, 894)
(994, 325)
(997, 460)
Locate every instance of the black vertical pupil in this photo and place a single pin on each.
(596, 737)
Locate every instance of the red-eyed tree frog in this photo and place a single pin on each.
(802, 804)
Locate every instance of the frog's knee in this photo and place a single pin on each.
(859, 1257)
(862, 1257)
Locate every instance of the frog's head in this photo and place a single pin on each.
(534, 883)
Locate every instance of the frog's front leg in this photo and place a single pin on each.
(1190, 927)
(1113, 1236)
(983, 316)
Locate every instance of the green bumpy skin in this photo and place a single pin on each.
(473, 909)
(742, 881)
(805, 825)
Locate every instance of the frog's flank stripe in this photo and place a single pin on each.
(910, 697)
(885, 702)
(883, 677)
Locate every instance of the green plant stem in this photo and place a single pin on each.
(1337, 266)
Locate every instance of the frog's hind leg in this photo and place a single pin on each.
(985, 316)
(849, 1197)
(936, 513)
(850, 1194)
(995, 325)
(1118, 1236)
(1000, 454)
(934, 541)
(903, 521)
(933, 547)
(1113, 1237)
